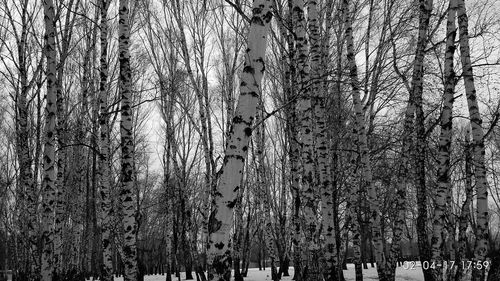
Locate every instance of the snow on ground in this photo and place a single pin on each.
(254, 274)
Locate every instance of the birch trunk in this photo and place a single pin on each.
(27, 196)
(61, 136)
(319, 56)
(221, 220)
(203, 105)
(80, 167)
(306, 139)
(127, 146)
(61, 169)
(463, 220)
(367, 180)
(238, 235)
(478, 149)
(265, 195)
(49, 172)
(403, 178)
(292, 135)
(443, 177)
(80, 180)
(106, 209)
(420, 142)
(168, 228)
(174, 193)
(168, 194)
(338, 126)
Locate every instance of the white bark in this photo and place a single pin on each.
(443, 177)
(367, 179)
(306, 136)
(482, 232)
(104, 164)
(127, 146)
(221, 219)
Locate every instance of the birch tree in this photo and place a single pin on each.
(127, 146)
(49, 172)
(478, 149)
(105, 183)
(62, 127)
(198, 76)
(23, 79)
(306, 138)
(425, 9)
(293, 149)
(264, 194)
(364, 152)
(444, 185)
(352, 206)
(219, 254)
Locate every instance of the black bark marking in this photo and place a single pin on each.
(248, 131)
(219, 245)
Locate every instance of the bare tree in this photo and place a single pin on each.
(127, 147)
(478, 149)
(49, 172)
(219, 257)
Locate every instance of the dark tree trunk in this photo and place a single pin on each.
(263, 257)
(169, 270)
(284, 266)
(237, 272)
(344, 260)
(189, 268)
(246, 263)
(259, 258)
(140, 275)
(200, 273)
(168, 273)
(243, 261)
(494, 270)
(359, 271)
(364, 246)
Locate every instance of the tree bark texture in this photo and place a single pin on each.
(127, 192)
(221, 219)
(478, 149)
(49, 171)
(106, 209)
(425, 7)
(443, 176)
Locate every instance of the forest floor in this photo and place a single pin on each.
(368, 274)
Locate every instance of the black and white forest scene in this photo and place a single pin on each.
(250, 140)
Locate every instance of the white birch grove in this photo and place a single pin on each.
(141, 140)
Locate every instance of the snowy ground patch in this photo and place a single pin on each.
(254, 274)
